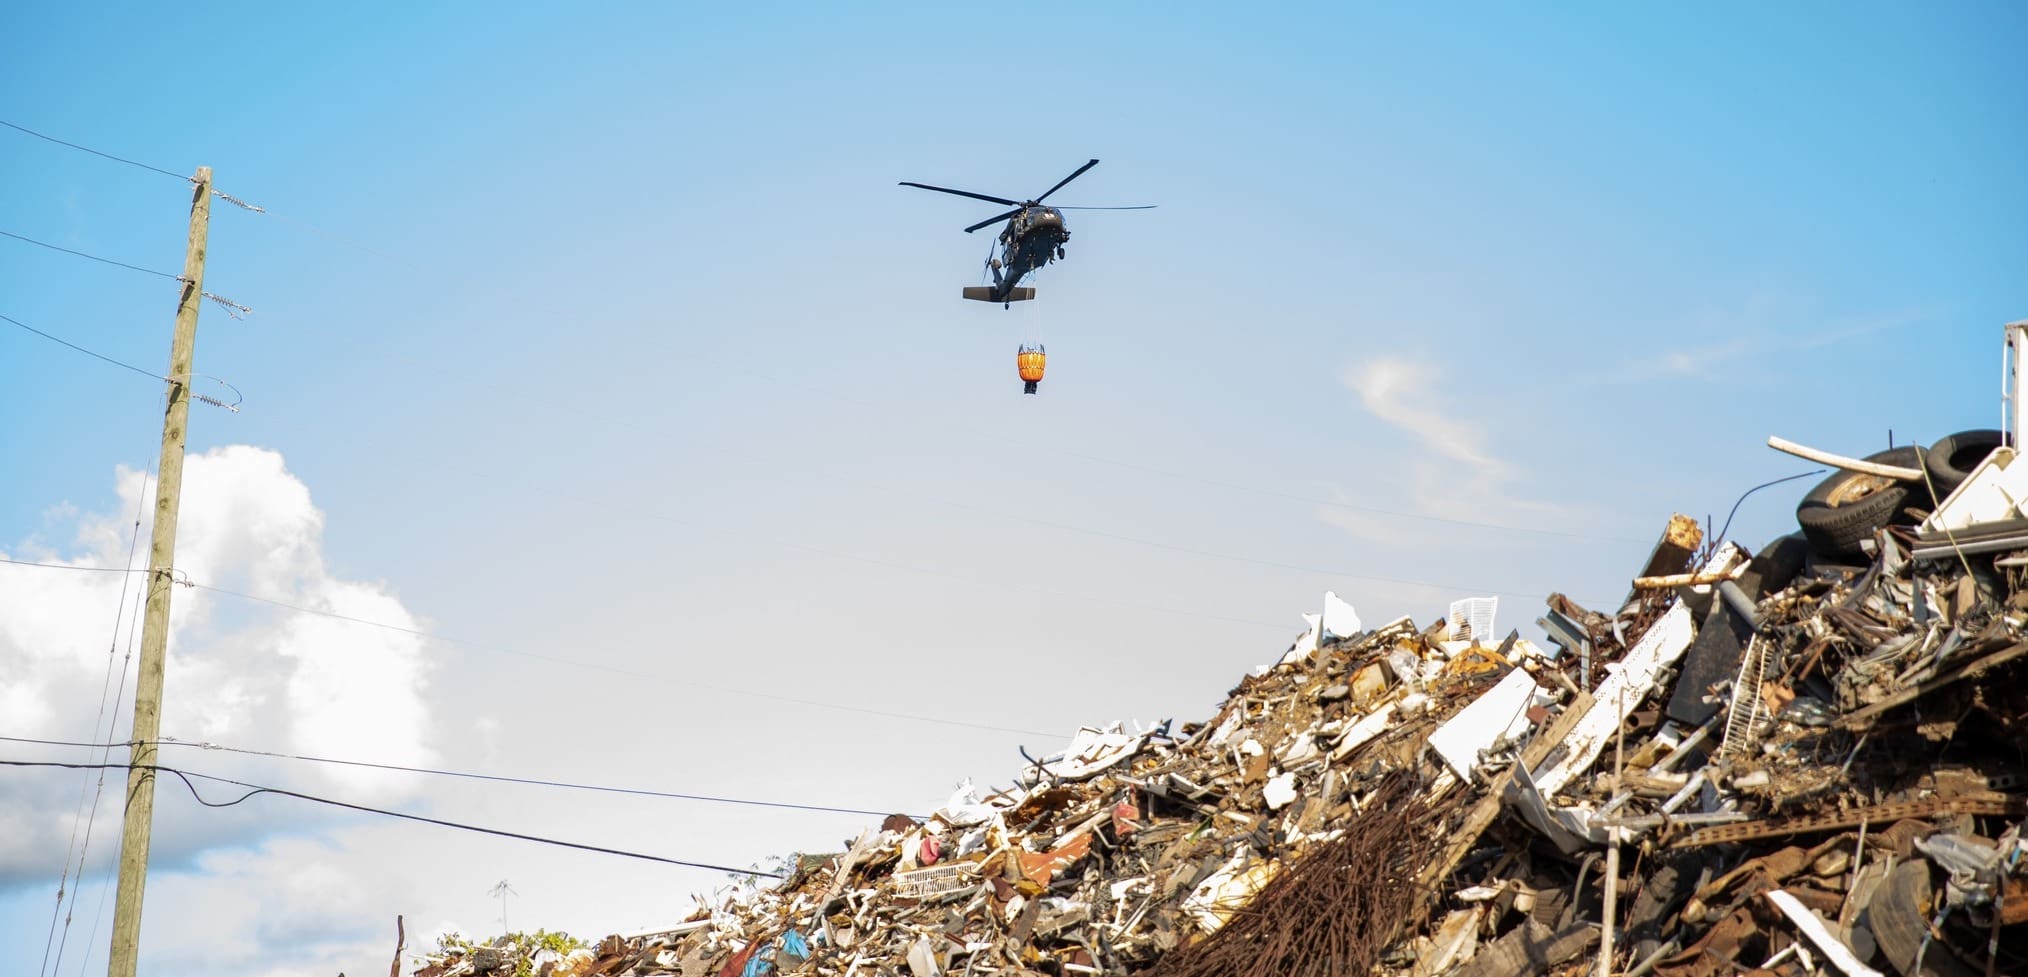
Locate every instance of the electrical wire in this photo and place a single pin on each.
(594, 666)
(499, 649)
(1157, 544)
(200, 398)
(1106, 600)
(945, 574)
(1068, 528)
(94, 152)
(107, 884)
(1076, 454)
(112, 723)
(1349, 506)
(254, 790)
(233, 309)
(92, 257)
(88, 820)
(81, 349)
(776, 697)
(1064, 527)
(220, 194)
(630, 673)
(1181, 476)
(466, 775)
(1742, 499)
(68, 566)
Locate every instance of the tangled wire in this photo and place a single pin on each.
(1336, 909)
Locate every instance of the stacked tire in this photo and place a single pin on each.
(1849, 507)
(1950, 461)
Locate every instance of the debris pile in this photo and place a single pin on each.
(1806, 760)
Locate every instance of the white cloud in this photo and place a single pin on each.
(1449, 474)
(1769, 335)
(240, 673)
(1699, 362)
(1398, 391)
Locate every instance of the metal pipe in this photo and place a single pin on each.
(1698, 579)
(1648, 963)
(1612, 895)
(2017, 343)
(1848, 464)
(1689, 743)
(1656, 820)
(1944, 551)
(1741, 604)
(1669, 806)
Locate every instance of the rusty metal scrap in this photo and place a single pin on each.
(1334, 911)
(1997, 805)
(1345, 812)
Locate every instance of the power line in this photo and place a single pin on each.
(779, 381)
(91, 820)
(220, 194)
(1181, 476)
(69, 566)
(107, 884)
(1156, 544)
(81, 349)
(1077, 454)
(1103, 600)
(794, 700)
(254, 790)
(213, 401)
(233, 309)
(1446, 520)
(465, 775)
(499, 649)
(976, 581)
(94, 152)
(92, 257)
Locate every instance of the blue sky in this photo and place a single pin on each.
(605, 335)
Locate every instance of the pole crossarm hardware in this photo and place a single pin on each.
(140, 811)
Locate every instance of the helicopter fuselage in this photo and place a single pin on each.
(1033, 237)
(1030, 240)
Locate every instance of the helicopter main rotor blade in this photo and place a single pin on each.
(1141, 207)
(994, 220)
(1067, 179)
(967, 193)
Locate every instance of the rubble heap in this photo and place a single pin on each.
(1757, 764)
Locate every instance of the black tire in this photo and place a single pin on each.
(1950, 461)
(1848, 508)
(1898, 915)
(1776, 565)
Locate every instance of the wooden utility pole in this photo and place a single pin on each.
(140, 813)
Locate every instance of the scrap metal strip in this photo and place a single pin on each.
(1997, 804)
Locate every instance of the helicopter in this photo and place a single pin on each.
(1033, 237)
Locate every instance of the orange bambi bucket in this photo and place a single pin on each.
(1030, 360)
